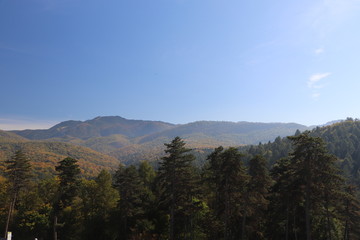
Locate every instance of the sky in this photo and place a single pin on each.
(178, 61)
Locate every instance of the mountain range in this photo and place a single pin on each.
(114, 139)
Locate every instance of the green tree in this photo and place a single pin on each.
(4, 199)
(179, 188)
(33, 214)
(18, 173)
(257, 198)
(153, 213)
(317, 177)
(68, 174)
(282, 214)
(351, 214)
(147, 174)
(99, 200)
(229, 179)
(211, 188)
(131, 204)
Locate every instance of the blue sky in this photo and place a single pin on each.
(178, 60)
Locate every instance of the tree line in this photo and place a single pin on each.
(301, 196)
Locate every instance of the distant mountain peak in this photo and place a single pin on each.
(100, 126)
(106, 118)
(141, 139)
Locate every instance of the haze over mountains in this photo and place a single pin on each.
(115, 139)
(144, 131)
(110, 133)
(97, 127)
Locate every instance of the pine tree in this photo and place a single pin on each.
(68, 174)
(99, 200)
(228, 178)
(18, 173)
(131, 206)
(306, 198)
(351, 214)
(317, 177)
(281, 222)
(147, 174)
(178, 188)
(150, 220)
(257, 195)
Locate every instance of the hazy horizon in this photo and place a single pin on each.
(27, 124)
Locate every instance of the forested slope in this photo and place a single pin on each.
(44, 156)
(342, 139)
(131, 141)
(10, 137)
(301, 196)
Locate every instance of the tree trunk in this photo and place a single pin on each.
(307, 212)
(308, 181)
(328, 217)
(346, 231)
(346, 228)
(125, 226)
(172, 223)
(294, 227)
(11, 209)
(287, 224)
(243, 226)
(191, 227)
(172, 220)
(227, 214)
(54, 228)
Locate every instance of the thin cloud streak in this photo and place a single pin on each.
(313, 83)
(315, 78)
(315, 95)
(319, 51)
(324, 17)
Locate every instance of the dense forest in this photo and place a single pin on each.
(300, 187)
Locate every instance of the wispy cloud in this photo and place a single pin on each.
(315, 78)
(340, 7)
(315, 95)
(319, 51)
(327, 15)
(313, 83)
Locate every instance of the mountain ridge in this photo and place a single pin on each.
(142, 131)
(114, 148)
(97, 127)
(137, 140)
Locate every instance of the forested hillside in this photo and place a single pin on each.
(45, 155)
(342, 139)
(131, 141)
(302, 195)
(10, 137)
(299, 187)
